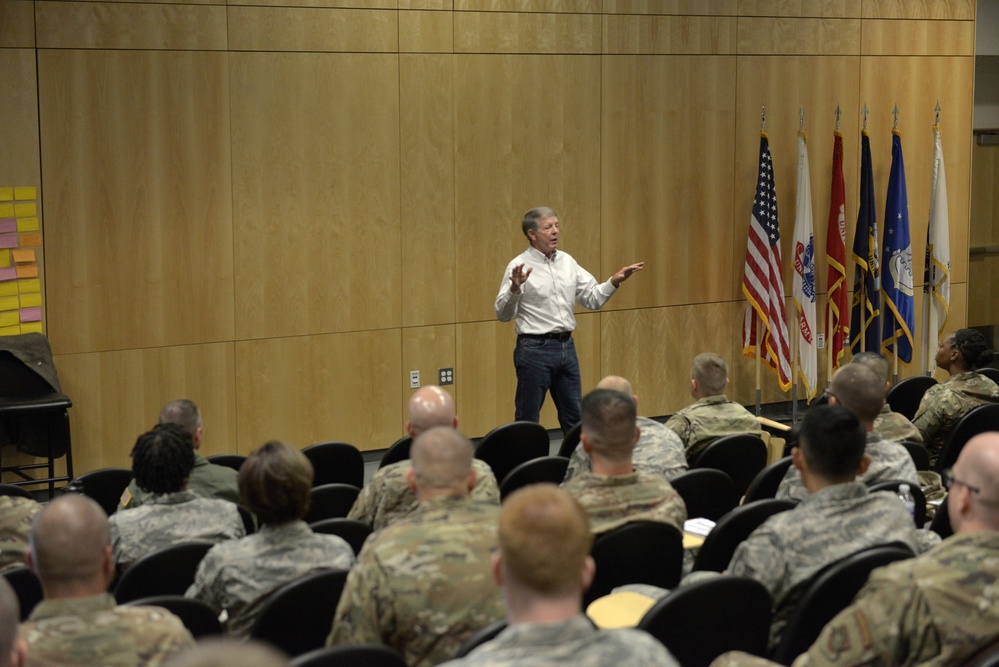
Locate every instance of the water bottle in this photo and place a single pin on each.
(907, 500)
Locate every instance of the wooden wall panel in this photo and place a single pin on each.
(317, 240)
(527, 133)
(984, 197)
(309, 29)
(538, 6)
(692, 7)
(19, 130)
(426, 4)
(983, 299)
(135, 159)
(426, 32)
(533, 33)
(962, 10)
(666, 177)
(335, 4)
(427, 349)
(656, 35)
(116, 25)
(801, 8)
(427, 181)
(309, 389)
(918, 38)
(800, 36)
(17, 24)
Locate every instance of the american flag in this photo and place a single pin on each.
(762, 282)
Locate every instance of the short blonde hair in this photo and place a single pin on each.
(711, 373)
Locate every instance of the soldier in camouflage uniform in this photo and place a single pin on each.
(712, 415)
(935, 610)
(658, 451)
(944, 404)
(78, 624)
(614, 494)
(543, 567)
(239, 575)
(387, 496)
(207, 479)
(889, 425)
(422, 585)
(162, 461)
(11, 647)
(15, 526)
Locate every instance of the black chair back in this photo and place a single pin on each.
(398, 451)
(905, 395)
(234, 461)
(104, 485)
(765, 484)
(14, 490)
(979, 420)
(249, 521)
(331, 501)
(730, 531)
(352, 531)
(481, 636)
(742, 456)
(920, 456)
(27, 588)
(570, 440)
(297, 617)
(357, 655)
(918, 497)
(505, 447)
(707, 493)
(200, 619)
(166, 571)
(737, 608)
(990, 373)
(640, 552)
(941, 521)
(536, 471)
(335, 463)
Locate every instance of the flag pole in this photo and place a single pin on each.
(759, 332)
(866, 298)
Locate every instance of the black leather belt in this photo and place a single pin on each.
(554, 335)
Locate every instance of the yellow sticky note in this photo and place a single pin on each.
(27, 225)
(31, 327)
(10, 331)
(26, 210)
(34, 238)
(4, 258)
(6, 194)
(9, 318)
(25, 194)
(23, 255)
(9, 303)
(27, 271)
(31, 300)
(7, 211)
(29, 286)
(9, 289)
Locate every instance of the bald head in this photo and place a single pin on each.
(973, 501)
(860, 390)
(225, 652)
(429, 407)
(71, 546)
(616, 383)
(442, 462)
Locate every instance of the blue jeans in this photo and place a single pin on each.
(545, 365)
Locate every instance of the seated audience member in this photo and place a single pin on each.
(960, 354)
(15, 526)
(543, 567)
(162, 461)
(712, 415)
(239, 575)
(12, 648)
(207, 479)
(77, 622)
(937, 609)
(229, 653)
(861, 391)
(613, 494)
(387, 496)
(422, 585)
(658, 451)
(889, 425)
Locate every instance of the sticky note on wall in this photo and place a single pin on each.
(25, 194)
(27, 270)
(29, 286)
(9, 303)
(10, 289)
(31, 315)
(23, 255)
(8, 225)
(30, 300)
(8, 240)
(25, 210)
(6, 194)
(33, 239)
(31, 327)
(8, 273)
(27, 224)
(9, 318)
(4, 257)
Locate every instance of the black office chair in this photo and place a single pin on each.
(979, 420)
(481, 636)
(918, 497)
(990, 373)
(357, 655)
(297, 617)
(352, 531)
(234, 461)
(104, 485)
(27, 588)
(249, 521)
(331, 501)
(987, 656)
(941, 522)
(398, 451)
(335, 463)
(570, 441)
(736, 608)
(920, 456)
(828, 593)
(14, 490)
(732, 529)
(166, 571)
(505, 447)
(742, 456)
(707, 493)
(200, 619)
(766, 482)
(640, 552)
(905, 395)
(536, 471)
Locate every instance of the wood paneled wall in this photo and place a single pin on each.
(279, 209)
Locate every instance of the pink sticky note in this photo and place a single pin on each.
(8, 240)
(8, 225)
(31, 314)
(8, 273)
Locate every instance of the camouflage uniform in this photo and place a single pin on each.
(945, 403)
(239, 575)
(424, 584)
(614, 501)
(207, 480)
(170, 518)
(896, 427)
(93, 632)
(935, 610)
(889, 461)
(658, 451)
(708, 419)
(573, 642)
(387, 497)
(16, 515)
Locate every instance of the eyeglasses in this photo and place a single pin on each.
(950, 480)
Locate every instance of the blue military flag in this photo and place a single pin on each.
(896, 261)
(865, 325)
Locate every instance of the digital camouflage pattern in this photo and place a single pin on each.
(573, 642)
(659, 451)
(423, 585)
(612, 502)
(708, 419)
(168, 519)
(386, 498)
(933, 611)
(945, 403)
(93, 632)
(239, 575)
(16, 515)
(896, 427)
(207, 480)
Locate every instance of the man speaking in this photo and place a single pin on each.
(539, 289)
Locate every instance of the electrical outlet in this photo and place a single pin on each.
(445, 376)
(414, 379)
